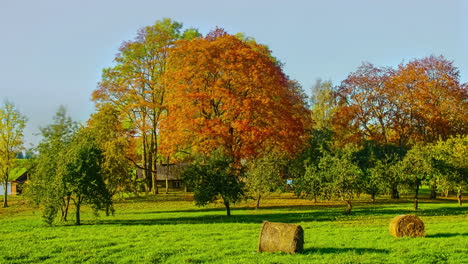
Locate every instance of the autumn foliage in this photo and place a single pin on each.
(421, 101)
(224, 93)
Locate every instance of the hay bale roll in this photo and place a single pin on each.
(281, 237)
(407, 225)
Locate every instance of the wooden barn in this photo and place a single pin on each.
(17, 179)
(170, 174)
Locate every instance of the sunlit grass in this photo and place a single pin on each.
(170, 229)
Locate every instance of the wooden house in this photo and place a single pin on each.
(17, 179)
(170, 174)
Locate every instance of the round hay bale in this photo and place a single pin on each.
(407, 225)
(280, 237)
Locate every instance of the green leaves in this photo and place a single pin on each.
(12, 124)
(214, 177)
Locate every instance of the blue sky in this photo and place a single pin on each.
(52, 51)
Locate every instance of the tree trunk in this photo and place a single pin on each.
(433, 192)
(459, 196)
(349, 206)
(416, 197)
(65, 211)
(77, 206)
(145, 172)
(228, 209)
(446, 193)
(5, 192)
(394, 194)
(258, 201)
(167, 175)
(373, 197)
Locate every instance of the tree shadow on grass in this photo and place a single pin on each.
(446, 235)
(256, 217)
(359, 251)
(221, 218)
(249, 208)
(217, 215)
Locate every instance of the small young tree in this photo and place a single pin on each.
(336, 176)
(304, 168)
(80, 174)
(214, 177)
(12, 123)
(312, 184)
(343, 176)
(264, 175)
(415, 168)
(42, 187)
(450, 158)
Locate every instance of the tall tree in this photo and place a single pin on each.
(431, 101)
(364, 108)
(112, 138)
(12, 124)
(223, 93)
(136, 87)
(419, 102)
(323, 104)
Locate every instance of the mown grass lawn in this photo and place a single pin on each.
(170, 229)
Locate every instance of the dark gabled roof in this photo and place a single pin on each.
(22, 178)
(17, 174)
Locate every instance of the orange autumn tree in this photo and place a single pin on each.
(228, 94)
(421, 101)
(364, 109)
(431, 101)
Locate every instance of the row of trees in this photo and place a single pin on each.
(373, 169)
(223, 103)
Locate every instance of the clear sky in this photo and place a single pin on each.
(52, 51)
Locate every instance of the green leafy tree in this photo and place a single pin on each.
(80, 174)
(416, 168)
(323, 104)
(320, 142)
(12, 124)
(303, 169)
(111, 136)
(341, 176)
(264, 175)
(450, 158)
(335, 175)
(213, 177)
(43, 188)
(312, 184)
(378, 161)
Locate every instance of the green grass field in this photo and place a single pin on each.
(170, 229)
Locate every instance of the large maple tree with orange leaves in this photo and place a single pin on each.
(228, 94)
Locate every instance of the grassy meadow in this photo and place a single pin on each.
(171, 229)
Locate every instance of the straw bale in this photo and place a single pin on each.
(281, 237)
(407, 225)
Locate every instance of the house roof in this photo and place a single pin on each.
(16, 173)
(19, 170)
